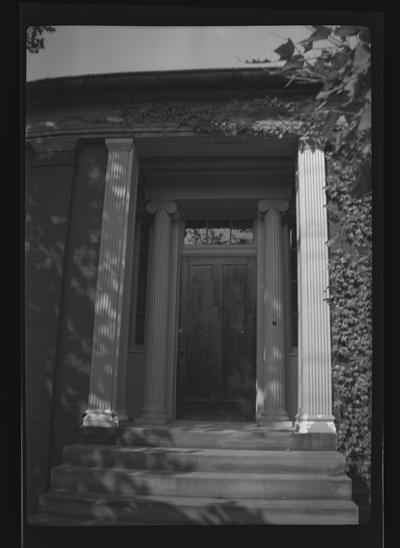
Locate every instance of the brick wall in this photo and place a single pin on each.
(47, 199)
(77, 311)
(63, 222)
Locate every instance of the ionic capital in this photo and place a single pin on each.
(167, 206)
(266, 205)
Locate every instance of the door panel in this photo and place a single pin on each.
(199, 330)
(216, 366)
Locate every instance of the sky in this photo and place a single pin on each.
(81, 50)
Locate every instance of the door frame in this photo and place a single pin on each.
(177, 251)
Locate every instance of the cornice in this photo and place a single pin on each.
(60, 149)
(183, 83)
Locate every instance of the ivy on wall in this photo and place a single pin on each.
(350, 275)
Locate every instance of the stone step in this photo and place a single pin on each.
(200, 484)
(46, 519)
(189, 459)
(59, 508)
(221, 436)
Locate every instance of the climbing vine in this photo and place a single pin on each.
(350, 275)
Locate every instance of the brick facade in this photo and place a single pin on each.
(48, 195)
(63, 208)
(74, 350)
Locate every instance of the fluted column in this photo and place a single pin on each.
(154, 411)
(271, 378)
(105, 408)
(315, 391)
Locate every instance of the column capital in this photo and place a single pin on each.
(310, 143)
(119, 144)
(161, 205)
(265, 205)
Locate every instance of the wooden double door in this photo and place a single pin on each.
(217, 338)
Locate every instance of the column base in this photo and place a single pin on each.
(308, 424)
(104, 418)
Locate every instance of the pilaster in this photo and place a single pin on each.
(315, 390)
(105, 406)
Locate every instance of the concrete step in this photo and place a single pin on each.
(198, 437)
(200, 484)
(189, 459)
(199, 472)
(59, 508)
(221, 436)
(46, 519)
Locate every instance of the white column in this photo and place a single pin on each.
(105, 405)
(315, 391)
(271, 380)
(156, 344)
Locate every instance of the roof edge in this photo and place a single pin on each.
(161, 81)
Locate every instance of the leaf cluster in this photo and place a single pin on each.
(342, 66)
(34, 40)
(341, 112)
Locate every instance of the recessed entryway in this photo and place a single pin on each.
(213, 365)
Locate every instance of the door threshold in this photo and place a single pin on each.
(215, 424)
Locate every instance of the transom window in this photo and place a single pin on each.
(219, 232)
